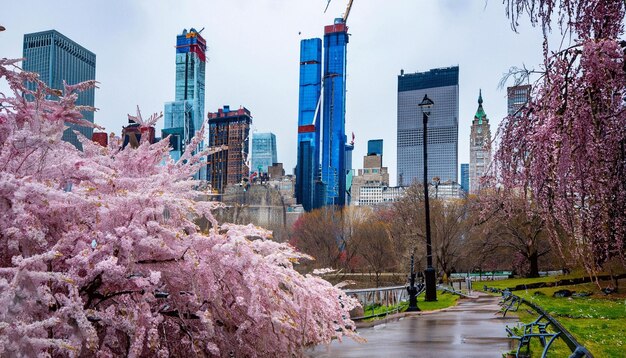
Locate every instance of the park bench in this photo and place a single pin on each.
(545, 328)
(510, 302)
(536, 329)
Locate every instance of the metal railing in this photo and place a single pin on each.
(371, 298)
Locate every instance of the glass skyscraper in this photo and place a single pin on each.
(56, 58)
(184, 116)
(263, 152)
(334, 113)
(308, 162)
(442, 87)
(465, 177)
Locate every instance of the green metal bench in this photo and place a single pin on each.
(536, 329)
(510, 302)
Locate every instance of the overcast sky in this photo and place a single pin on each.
(253, 54)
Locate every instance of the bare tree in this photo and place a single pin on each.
(317, 233)
(375, 246)
(450, 228)
(518, 225)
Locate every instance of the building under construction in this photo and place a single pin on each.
(230, 128)
(334, 112)
(184, 116)
(323, 92)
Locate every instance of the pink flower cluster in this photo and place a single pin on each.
(568, 146)
(101, 253)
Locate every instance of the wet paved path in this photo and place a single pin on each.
(470, 329)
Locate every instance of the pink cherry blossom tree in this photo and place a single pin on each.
(566, 149)
(100, 253)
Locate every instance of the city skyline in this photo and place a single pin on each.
(272, 73)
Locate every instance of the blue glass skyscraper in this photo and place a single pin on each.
(465, 178)
(184, 116)
(263, 152)
(56, 58)
(334, 112)
(307, 168)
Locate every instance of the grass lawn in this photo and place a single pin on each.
(444, 300)
(512, 282)
(598, 322)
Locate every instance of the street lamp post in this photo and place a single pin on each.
(412, 291)
(431, 291)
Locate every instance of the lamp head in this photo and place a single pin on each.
(426, 105)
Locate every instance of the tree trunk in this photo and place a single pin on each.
(533, 260)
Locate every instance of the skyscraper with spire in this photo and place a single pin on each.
(480, 146)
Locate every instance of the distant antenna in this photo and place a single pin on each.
(201, 30)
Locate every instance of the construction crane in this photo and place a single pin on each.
(346, 14)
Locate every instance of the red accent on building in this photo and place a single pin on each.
(201, 39)
(198, 51)
(341, 27)
(230, 113)
(101, 138)
(150, 133)
(306, 128)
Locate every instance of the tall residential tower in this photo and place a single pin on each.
(56, 58)
(442, 87)
(334, 113)
(184, 116)
(308, 162)
(230, 128)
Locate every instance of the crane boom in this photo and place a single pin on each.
(345, 16)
